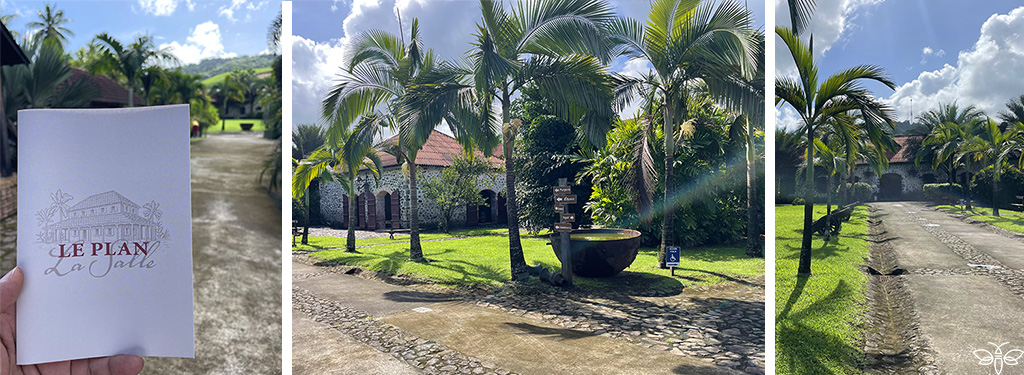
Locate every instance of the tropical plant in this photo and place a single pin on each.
(305, 139)
(374, 86)
(50, 26)
(1014, 111)
(43, 83)
(689, 45)
(551, 44)
(225, 91)
(943, 129)
(995, 147)
(817, 102)
(129, 62)
(338, 163)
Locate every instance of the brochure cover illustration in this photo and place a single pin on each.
(104, 233)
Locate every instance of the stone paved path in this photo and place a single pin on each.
(236, 241)
(966, 283)
(522, 334)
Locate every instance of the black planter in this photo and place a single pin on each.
(599, 257)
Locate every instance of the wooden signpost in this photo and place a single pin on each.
(564, 197)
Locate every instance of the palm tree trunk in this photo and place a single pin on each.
(517, 261)
(804, 268)
(967, 183)
(305, 225)
(350, 240)
(415, 251)
(223, 120)
(667, 216)
(131, 94)
(753, 248)
(995, 186)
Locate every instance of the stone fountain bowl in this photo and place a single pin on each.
(599, 252)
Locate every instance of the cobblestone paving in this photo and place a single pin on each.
(8, 243)
(726, 332)
(431, 357)
(720, 325)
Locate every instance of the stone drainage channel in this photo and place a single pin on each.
(724, 331)
(893, 341)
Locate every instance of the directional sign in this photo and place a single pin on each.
(672, 256)
(565, 199)
(562, 190)
(568, 218)
(559, 208)
(563, 227)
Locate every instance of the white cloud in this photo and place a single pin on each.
(832, 21)
(927, 51)
(205, 42)
(160, 7)
(314, 66)
(986, 76)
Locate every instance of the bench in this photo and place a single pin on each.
(296, 230)
(392, 230)
(1019, 206)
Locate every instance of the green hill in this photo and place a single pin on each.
(211, 67)
(220, 77)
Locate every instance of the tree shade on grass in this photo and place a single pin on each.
(1010, 220)
(482, 261)
(818, 318)
(320, 243)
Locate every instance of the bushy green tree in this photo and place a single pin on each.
(455, 187)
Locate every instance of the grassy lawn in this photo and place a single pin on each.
(1008, 219)
(818, 318)
(235, 125)
(319, 243)
(484, 261)
(220, 77)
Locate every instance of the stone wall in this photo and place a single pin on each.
(392, 179)
(912, 178)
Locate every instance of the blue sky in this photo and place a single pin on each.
(936, 51)
(320, 28)
(195, 29)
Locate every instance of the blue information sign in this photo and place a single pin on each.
(672, 256)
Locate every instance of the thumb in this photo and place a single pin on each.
(10, 288)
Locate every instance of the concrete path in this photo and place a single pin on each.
(960, 308)
(508, 342)
(236, 240)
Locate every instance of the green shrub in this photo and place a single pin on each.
(799, 202)
(861, 192)
(942, 193)
(1011, 184)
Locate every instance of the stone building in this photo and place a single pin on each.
(903, 180)
(385, 203)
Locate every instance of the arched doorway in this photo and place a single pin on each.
(485, 213)
(383, 209)
(890, 187)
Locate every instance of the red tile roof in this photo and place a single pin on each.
(439, 151)
(111, 93)
(903, 155)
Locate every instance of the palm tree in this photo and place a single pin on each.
(800, 14)
(1014, 111)
(43, 83)
(690, 44)
(994, 146)
(373, 87)
(339, 163)
(305, 139)
(817, 103)
(939, 134)
(227, 90)
(130, 61)
(50, 26)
